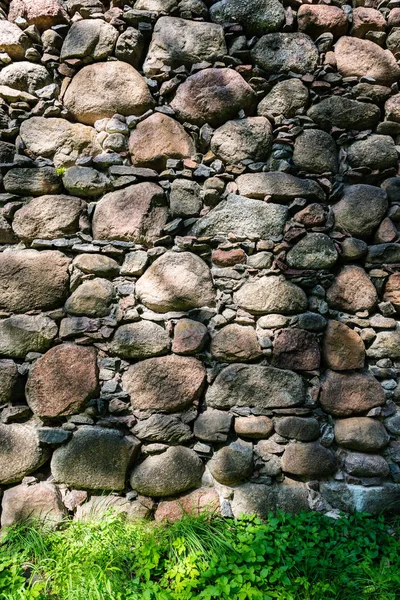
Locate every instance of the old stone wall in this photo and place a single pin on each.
(199, 267)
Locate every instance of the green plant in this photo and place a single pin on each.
(60, 171)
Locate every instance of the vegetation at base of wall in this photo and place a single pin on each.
(286, 557)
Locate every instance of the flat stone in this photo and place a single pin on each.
(309, 460)
(376, 152)
(201, 500)
(177, 42)
(346, 394)
(162, 429)
(242, 216)
(316, 19)
(284, 52)
(20, 334)
(286, 98)
(249, 138)
(314, 251)
(157, 139)
(272, 294)
(358, 498)
(385, 345)
(62, 381)
(25, 76)
(366, 465)
(95, 458)
(134, 263)
(89, 37)
(44, 14)
(352, 291)
(190, 337)
(360, 210)
(32, 280)
(342, 347)
(85, 182)
(383, 254)
(361, 433)
(32, 182)
(256, 16)
(296, 349)
(26, 502)
(20, 452)
(363, 58)
(176, 281)
(176, 470)
(254, 427)
(278, 187)
(100, 90)
(298, 428)
(235, 343)
(184, 198)
(13, 41)
(140, 340)
(232, 464)
(166, 384)
(213, 96)
(255, 386)
(96, 264)
(315, 152)
(254, 498)
(48, 217)
(344, 113)
(136, 213)
(213, 426)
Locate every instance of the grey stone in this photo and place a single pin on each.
(25, 76)
(131, 510)
(134, 263)
(366, 465)
(284, 52)
(278, 187)
(174, 471)
(299, 428)
(385, 345)
(13, 41)
(95, 458)
(85, 182)
(361, 433)
(8, 378)
(357, 498)
(20, 452)
(272, 294)
(315, 152)
(96, 264)
(232, 464)
(314, 251)
(254, 498)
(249, 138)
(309, 460)
(39, 501)
(129, 47)
(89, 37)
(360, 210)
(256, 16)
(32, 182)
(185, 200)
(20, 334)
(286, 98)
(162, 429)
(344, 113)
(53, 435)
(244, 217)
(383, 254)
(140, 340)
(255, 386)
(213, 426)
(376, 152)
(92, 298)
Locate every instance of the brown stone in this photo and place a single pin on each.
(254, 427)
(30, 280)
(189, 337)
(235, 343)
(232, 464)
(308, 460)
(362, 58)
(166, 384)
(296, 349)
(392, 291)
(42, 13)
(20, 452)
(213, 96)
(62, 381)
(311, 216)
(352, 291)
(195, 503)
(229, 258)
(342, 347)
(345, 394)
(136, 213)
(103, 89)
(361, 433)
(158, 138)
(387, 232)
(316, 19)
(24, 502)
(367, 19)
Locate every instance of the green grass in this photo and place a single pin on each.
(287, 557)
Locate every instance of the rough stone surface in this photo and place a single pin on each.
(235, 343)
(356, 498)
(162, 429)
(94, 38)
(232, 464)
(375, 152)
(20, 334)
(361, 433)
(284, 52)
(345, 113)
(314, 251)
(40, 501)
(315, 152)
(352, 291)
(190, 337)
(41, 13)
(343, 395)
(308, 460)
(140, 340)
(298, 428)
(213, 426)
(366, 465)
(20, 452)
(13, 40)
(25, 76)
(296, 349)
(278, 187)
(386, 344)
(130, 510)
(203, 499)
(273, 294)
(92, 298)
(360, 210)
(318, 19)
(342, 347)
(286, 98)
(363, 58)
(259, 499)
(243, 139)
(256, 16)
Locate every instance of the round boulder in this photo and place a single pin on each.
(20, 452)
(315, 152)
(360, 210)
(310, 460)
(361, 433)
(232, 464)
(346, 394)
(352, 291)
(243, 139)
(314, 251)
(140, 340)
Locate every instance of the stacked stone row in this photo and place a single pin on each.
(199, 266)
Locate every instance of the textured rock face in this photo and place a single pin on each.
(308, 460)
(42, 13)
(140, 340)
(92, 37)
(232, 464)
(286, 98)
(284, 52)
(251, 498)
(314, 251)
(249, 138)
(271, 295)
(297, 350)
(345, 394)
(361, 210)
(235, 343)
(361, 433)
(20, 452)
(362, 58)
(342, 348)
(12, 40)
(278, 187)
(256, 16)
(62, 381)
(103, 89)
(25, 76)
(344, 113)
(352, 291)
(20, 334)
(24, 502)
(318, 19)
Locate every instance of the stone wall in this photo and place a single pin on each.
(199, 267)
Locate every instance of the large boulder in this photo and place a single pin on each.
(174, 471)
(62, 381)
(166, 384)
(256, 16)
(360, 210)
(278, 187)
(285, 98)
(385, 345)
(48, 217)
(235, 343)
(361, 433)
(213, 426)
(377, 152)
(59, 140)
(13, 41)
(44, 14)
(344, 113)
(346, 394)
(352, 291)
(89, 37)
(136, 213)
(25, 76)
(232, 464)
(40, 501)
(296, 349)
(243, 139)
(366, 465)
(85, 181)
(158, 138)
(269, 295)
(92, 298)
(316, 19)
(244, 217)
(30, 280)
(20, 452)
(309, 460)
(284, 52)
(315, 152)
(95, 458)
(140, 340)
(342, 347)
(20, 334)
(314, 251)
(100, 90)
(255, 386)
(177, 42)
(255, 498)
(363, 58)
(298, 428)
(213, 96)
(176, 281)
